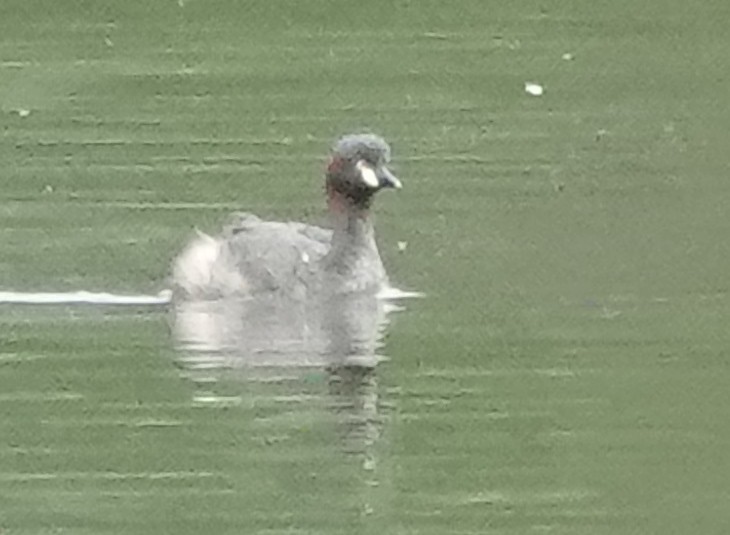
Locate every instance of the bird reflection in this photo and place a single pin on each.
(283, 343)
(354, 394)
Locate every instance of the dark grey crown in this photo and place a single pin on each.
(369, 147)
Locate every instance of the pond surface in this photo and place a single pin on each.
(567, 369)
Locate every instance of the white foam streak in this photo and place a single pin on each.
(105, 298)
(390, 293)
(82, 297)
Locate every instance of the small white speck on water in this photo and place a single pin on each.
(22, 112)
(609, 314)
(219, 401)
(402, 246)
(436, 35)
(305, 258)
(108, 42)
(13, 64)
(534, 89)
(48, 189)
(568, 56)
(368, 464)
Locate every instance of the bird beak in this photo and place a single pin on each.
(377, 178)
(386, 179)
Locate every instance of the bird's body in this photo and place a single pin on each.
(251, 257)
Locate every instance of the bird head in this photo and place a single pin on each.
(358, 169)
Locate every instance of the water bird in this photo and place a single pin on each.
(252, 257)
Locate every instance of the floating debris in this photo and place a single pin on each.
(533, 89)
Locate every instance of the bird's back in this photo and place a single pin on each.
(251, 257)
(275, 256)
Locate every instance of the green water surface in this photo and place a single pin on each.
(565, 374)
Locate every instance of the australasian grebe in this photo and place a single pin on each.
(253, 257)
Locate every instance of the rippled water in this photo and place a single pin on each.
(242, 399)
(567, 372)
(317, 359)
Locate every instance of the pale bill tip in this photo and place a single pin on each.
(394, 182)
(390, 179)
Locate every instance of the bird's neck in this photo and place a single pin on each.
(351, 223)
(354, 252)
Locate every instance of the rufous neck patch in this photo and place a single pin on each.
(335, 165)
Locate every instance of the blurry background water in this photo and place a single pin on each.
(568, 369)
